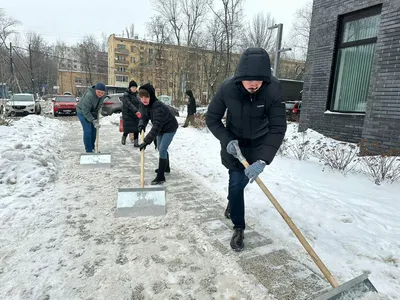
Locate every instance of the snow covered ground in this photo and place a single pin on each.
(351, 222)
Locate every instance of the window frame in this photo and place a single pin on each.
(341, 22)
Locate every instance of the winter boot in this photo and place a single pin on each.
(228, 211)
(160, 178)
(167, 169)
(123, 139)
(237, 240)
(135, 143)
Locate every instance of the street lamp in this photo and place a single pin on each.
(278, 49)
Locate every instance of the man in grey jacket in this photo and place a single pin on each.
(88, 110)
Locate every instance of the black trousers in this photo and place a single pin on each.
(135, 135)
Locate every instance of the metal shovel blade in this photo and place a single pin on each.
(97, 160)
(352, 289)
(138, 202)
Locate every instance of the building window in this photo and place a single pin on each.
(121, 46)
(78, 80)
(133, 48)
(354, 58)
(133, 59)
(121, 78)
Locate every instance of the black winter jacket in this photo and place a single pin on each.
(159, 114)
(256, 120)
(130, 106)
(191, 106)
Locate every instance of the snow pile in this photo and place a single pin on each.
(28, 155)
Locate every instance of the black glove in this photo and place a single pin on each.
(142, 146)
(140, 128)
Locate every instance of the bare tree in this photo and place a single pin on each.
(7, 27)
(87, 51)
(130, 31)
(170, 11)
(194, 13)
(104, 42)
(159, 32)
(230, 17)
(258, 34)
(300, 34)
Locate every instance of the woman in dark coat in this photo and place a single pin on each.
(130, 113)
(164, 127)
(191, 109)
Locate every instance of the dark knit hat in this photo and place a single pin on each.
(132, 83)
(100, 86)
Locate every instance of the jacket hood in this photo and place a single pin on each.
(254, 64)
(189, 93)
(148, 87)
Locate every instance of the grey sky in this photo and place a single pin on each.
(69, 21)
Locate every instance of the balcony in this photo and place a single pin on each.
(122, 62)
(121, 51)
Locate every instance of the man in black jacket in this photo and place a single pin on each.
(164, 128)
(191, 109)
(255, 122)
(131, 113)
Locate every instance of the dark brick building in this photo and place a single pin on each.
(352, 81)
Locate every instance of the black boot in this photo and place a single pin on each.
(135, 143)
(237, 239)
(167, 168)
(160, 178)
(228, 211)
(123, 139)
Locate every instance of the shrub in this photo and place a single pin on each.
(300, 147)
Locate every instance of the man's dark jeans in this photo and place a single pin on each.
(89, 133)
(237, 182)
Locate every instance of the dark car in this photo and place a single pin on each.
(112, 104)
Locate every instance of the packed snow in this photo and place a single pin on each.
(351, 222)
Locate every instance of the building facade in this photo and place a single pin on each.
(174, 69)
(352, 75)
(77, 82)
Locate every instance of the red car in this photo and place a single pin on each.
(64, 104)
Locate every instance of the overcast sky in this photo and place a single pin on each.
(70, 20)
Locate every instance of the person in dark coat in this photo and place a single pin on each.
(191, 109)
(88, 110)
(164, 127)
(255, 122)
(131, 113)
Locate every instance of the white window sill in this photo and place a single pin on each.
(328, 112)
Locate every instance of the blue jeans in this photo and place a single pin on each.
(237, 182)
(163, 142)
(89, 133)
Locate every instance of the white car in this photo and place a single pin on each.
(22, 104)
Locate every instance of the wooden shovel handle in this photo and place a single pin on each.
(96, 149)
(292, 226)
(142, 161)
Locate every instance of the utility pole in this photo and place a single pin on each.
(12, 69)
(278, 49)
(31, 69)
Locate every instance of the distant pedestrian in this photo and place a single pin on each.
(164, 127)
(131, 113)
(88, 110)
(191, 109)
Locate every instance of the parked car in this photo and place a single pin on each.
(22, 104)
(112, 104)
(64, 104)
(293, 112)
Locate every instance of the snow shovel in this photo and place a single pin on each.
(143, 201)
(349, 290)
(96, 159)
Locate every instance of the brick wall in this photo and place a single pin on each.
(381, 123)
